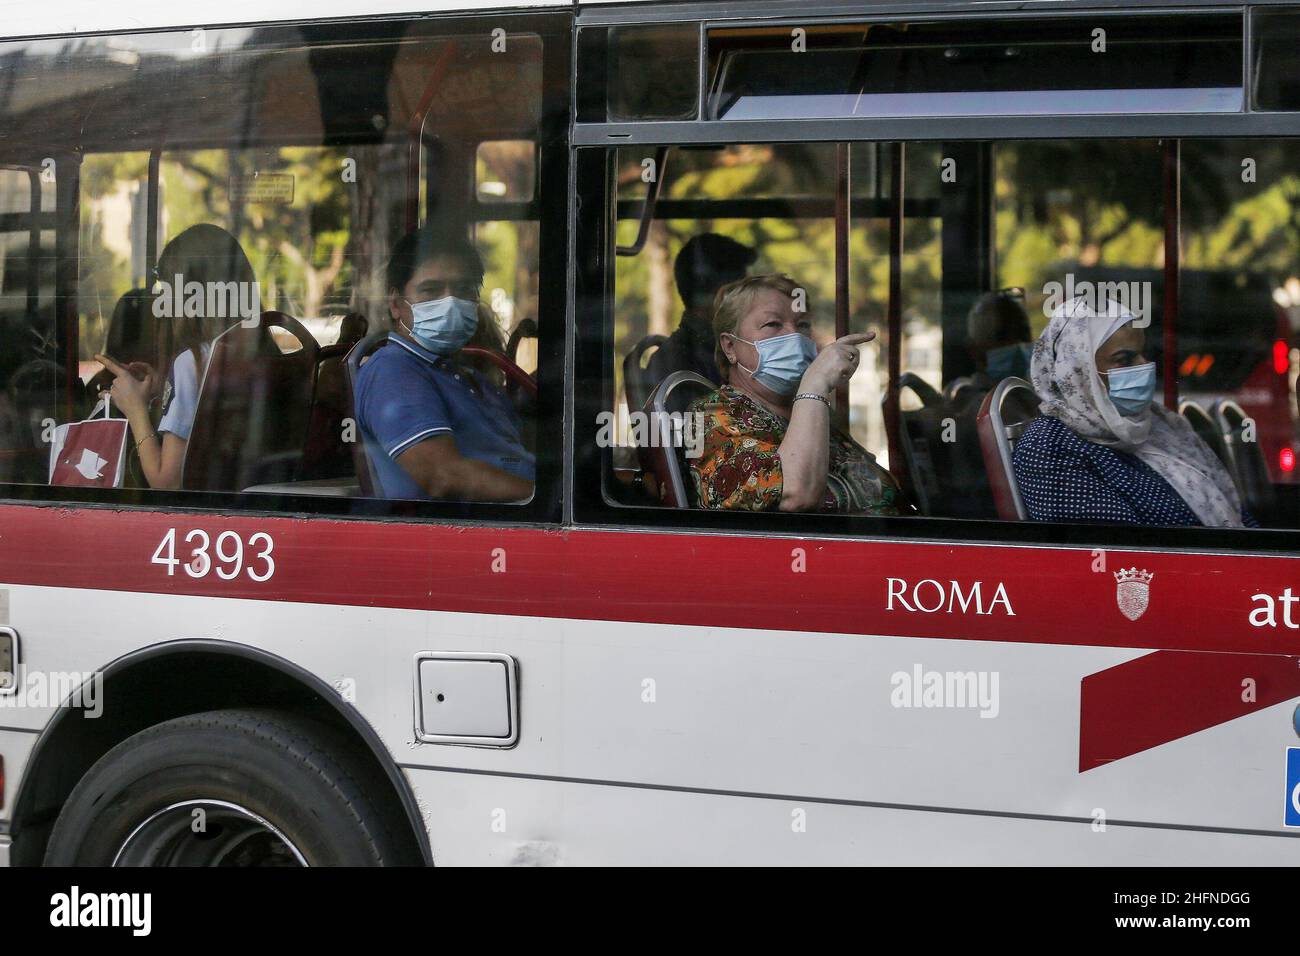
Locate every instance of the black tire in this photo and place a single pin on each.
(293, 774)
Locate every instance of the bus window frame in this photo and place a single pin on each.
(544, 508)
(595, 145)
(711, 16)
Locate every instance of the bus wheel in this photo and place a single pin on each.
(224, 788)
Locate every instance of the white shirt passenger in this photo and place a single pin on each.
(181, 393)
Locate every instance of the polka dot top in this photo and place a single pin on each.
(1064, 477)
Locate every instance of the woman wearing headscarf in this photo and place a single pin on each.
(1102, 450)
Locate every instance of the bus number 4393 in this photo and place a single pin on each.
(226, 557)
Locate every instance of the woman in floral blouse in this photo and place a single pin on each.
(768, 440)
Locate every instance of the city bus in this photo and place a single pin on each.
(266, 660)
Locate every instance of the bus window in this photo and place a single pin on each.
(1062, 66)
(285, 185)
(1276, 63)
(1007, 258)
(654, 72)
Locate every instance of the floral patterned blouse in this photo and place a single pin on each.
(740, 468)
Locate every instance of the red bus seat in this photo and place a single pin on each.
(1002, 419)
(250, 423)
(673, 394)
(516, 378)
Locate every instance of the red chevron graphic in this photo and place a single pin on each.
(1160, 697)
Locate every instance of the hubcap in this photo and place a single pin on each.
(207, 833)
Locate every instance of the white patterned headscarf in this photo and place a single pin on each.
(1064, 370)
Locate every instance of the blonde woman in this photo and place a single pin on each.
(769, 444)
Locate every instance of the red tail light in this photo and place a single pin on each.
(1286, 459)
(1281, 357)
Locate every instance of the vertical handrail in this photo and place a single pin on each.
(153, 200)
(67, 239)
(842, 212)
(34, 249)
(648, 206)
(1173, 248)
(892, 416)
(415, 135)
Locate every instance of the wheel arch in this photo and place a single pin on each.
(173, 679)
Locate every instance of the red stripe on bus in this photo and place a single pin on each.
(895, 588)
(1161, 697)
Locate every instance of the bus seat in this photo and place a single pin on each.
(1251, 466)
(521, 389)
(943, 465)
(352, 329)
(367, 480)
(929, 396)
(325, 454)
(1002, 419)
(921, 482)
(957, 386)
(526, 329)
(250, 423)
(1211, 432)
(516, 378)
(674, 394)
(637, 384)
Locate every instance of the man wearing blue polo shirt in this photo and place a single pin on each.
(434, 427)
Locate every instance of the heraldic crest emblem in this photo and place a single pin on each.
(1133, 591)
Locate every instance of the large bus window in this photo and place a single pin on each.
(248, 199)
(1024, 284)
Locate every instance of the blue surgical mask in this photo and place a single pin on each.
(782, 360)
(1009, 361)
(443, 326)
(1131, 389)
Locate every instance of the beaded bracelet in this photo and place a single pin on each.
(813, 395)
